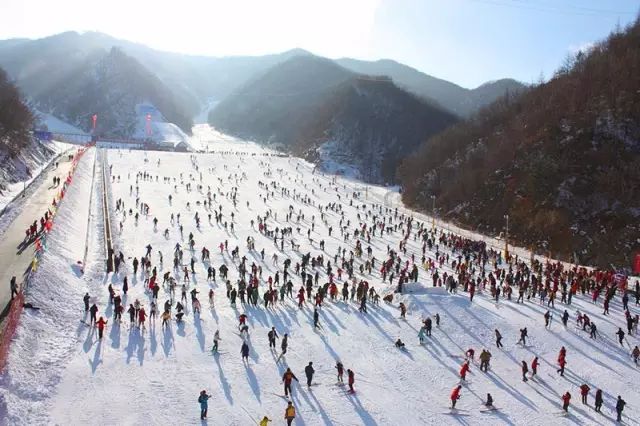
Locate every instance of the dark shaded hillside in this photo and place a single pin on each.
(16, 119)
(273, 106)
(19, 151)
(110, 84)
(308, 103)
(375, 125)
(462, 102)
(562, 160)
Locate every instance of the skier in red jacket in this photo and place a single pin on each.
(566, 398)
(534, 367)
(101, 323)
(455, 395)
(584, 391)
(463, 370)
(352, 379)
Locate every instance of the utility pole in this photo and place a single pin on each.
(506, 238)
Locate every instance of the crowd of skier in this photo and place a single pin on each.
(352, 273)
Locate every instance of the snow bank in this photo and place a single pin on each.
(154, 376)
(47, 338)
(56, 125)
(18, 172)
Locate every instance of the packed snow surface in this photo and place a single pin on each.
(60, 373)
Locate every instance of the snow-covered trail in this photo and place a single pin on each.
(154, 376)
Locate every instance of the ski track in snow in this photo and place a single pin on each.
(59, 374)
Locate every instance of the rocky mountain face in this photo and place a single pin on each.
(562, 160)
(314, 108)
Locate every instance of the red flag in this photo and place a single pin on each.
(636, 264)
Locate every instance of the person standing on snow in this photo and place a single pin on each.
(86, 302)
(203, 399)
(132, 314)
(525, 370)
(498, 339)
(287, 378)
(620, 403)
(272, 336)
(566, 399)
(14, 287)
(93, 311)
(534, 367)
(216, 339)
(284, 344)
(290, 413)
(101, 323)
(584, 392)
(547, 319)
(422, 334)
(244, 351)
(142, 316)
(523, 336)
(562, 361)
(455, 396)
(598, 400)
(309, 371)
(340, 369)
(620, 334)
(352, 379)
(463, 371)
(485, 358)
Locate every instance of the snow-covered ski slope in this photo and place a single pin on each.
(154, 376)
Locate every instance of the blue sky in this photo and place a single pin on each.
(472, 41)
(465, 41)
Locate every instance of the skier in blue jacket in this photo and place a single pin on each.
(203, 399)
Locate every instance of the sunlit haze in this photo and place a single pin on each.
(465, 41)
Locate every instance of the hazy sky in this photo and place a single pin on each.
(464, 41)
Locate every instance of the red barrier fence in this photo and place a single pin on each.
(17, 304)
(11, 323)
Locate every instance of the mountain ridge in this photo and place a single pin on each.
(195, 79)
(308, 101)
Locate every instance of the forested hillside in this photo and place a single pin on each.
(562, 160)
(314, 108)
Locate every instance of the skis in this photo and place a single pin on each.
(281, 396)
